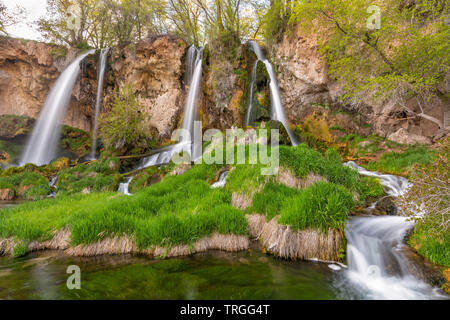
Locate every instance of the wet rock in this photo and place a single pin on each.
(387, 206)
(4, 157)
(403, 136)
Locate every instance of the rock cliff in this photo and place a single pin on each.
(304, 83)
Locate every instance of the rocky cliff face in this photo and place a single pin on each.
(27, 71)
(153, 67)
(303, 81)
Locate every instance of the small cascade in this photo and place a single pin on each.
(52, 182)
(376, 266)
(185, 142)
(221, 182)
(42, 145)
(392, 185)
(101, 69)
(248, 116)
(277, 112)
(123, 187)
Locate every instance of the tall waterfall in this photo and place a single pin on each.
(376, 266)
(277, 112)
(41, 147)
(101, 68)
(185, 142)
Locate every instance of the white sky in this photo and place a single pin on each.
(34, 10)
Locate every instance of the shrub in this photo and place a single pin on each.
(123, 126)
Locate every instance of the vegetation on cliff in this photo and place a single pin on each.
(382, 50)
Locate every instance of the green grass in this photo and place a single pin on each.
(369, 187)
(323, 205)
(99, 176)
(37, 184)
(303, 160)
(400, 162)
(430, 243)
(180, 209)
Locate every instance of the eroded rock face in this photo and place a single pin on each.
(28, 70)
(302, 75)
(154, 68)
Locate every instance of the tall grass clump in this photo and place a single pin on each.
(303, 160)
(271, 199)
(323, 205)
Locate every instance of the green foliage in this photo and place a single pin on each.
(99, 176)
(430, 243)
(323, 205)
(37, 192)
(75, 141)
(143, 179)
(303, 160)
(429, 192)
(123, 126)
(270, 200)
(58, 52)
(276, 20)
(369, 187)
(37, 185)
(401, 162)
(406, 57)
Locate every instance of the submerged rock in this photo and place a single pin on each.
(387, 205)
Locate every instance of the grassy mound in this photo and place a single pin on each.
(180, 209)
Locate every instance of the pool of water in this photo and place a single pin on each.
(213, 275)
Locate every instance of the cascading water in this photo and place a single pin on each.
(185, 142)
(248, 117)
(277, 112)
(123, 186)
(41, 147)
(376, 266)
(221, 182)
(101, 68)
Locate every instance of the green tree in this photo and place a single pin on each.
(123, 127)
(405, 57)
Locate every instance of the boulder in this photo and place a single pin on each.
(7, 194)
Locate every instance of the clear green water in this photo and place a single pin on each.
(213, 275)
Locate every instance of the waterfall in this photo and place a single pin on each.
(185, 142)
(376, 266)
(277, 112)
(248, 121)
(41, 147)
(101, 68)
(221, 182)
(123, 186)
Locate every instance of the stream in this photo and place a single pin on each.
(376, 268)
